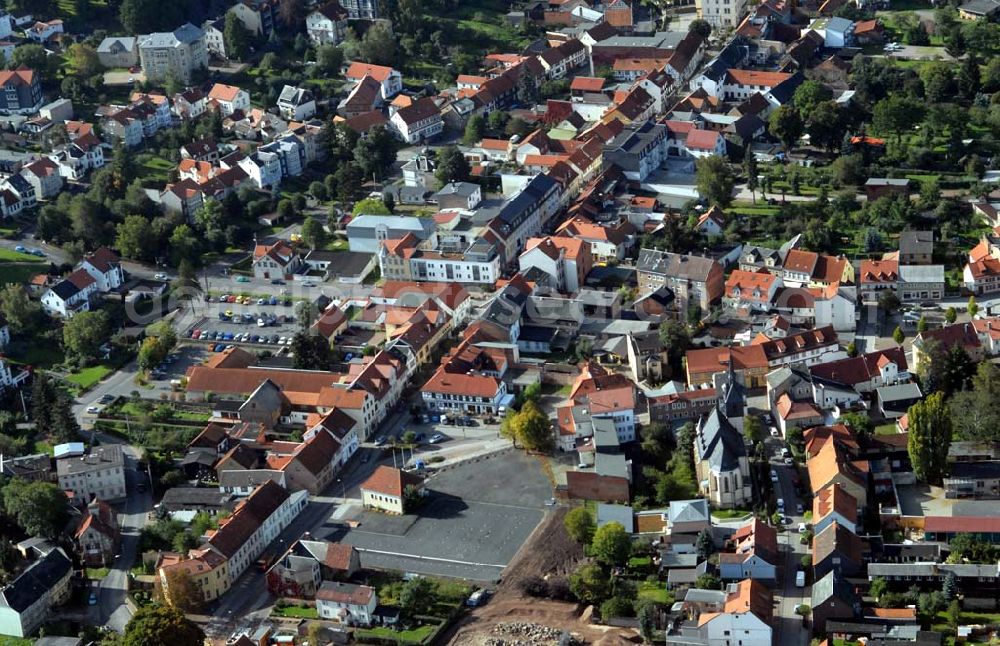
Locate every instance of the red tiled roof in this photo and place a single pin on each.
(390, 481)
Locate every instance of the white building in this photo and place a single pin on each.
(263, 168)
(346, 603)
(296, 104)
(417, 122)
(70, 295)
(180, 52)
(27, 601)
(721, 13)
(100, 474)
(327, 24)
(105, 267)
(215, 39)
(229, 98)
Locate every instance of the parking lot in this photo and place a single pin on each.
(473, 522)
(242, 324)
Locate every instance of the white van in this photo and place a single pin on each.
(800, 579)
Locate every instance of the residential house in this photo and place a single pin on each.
(893, 401)
(296, 104)
(361, 9)
(22, 91)
(695, 280)
(866, 372)
(688, 517)
(258, 16)
(979, 10)
(745, 616)
(417, 122)
(459, 195)
(104, 266)
(639, 150)
(751, 290)
(607, 242)
(837, 549)
(43, 175)
(229, 98)
(833, 504)
(118, 51)
(301, 570)
(755, 553)
(98, 474)
(916, 247)
(179, 52)
(567, 261)
(215, 38)
(97, 535)
(832, 598)
(28, 600)
(346, 603)
(43, 31)
(725, 13)
(391, 80)
(833, 463)
(875, 277)
(327, 24)
(388, 488)
(876, 187)
(70, 295)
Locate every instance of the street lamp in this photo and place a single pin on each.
(343, 488)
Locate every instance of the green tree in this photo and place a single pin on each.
(616, 606)
(370, 206)
(701, 27)
(878, 588)
(580, 525)
(311, 351)
(753, 429)
(809, 95)
(498, 120)
(151, 353)
(184, 245)
(590, 584)
(329, 59)
(708, 582)
(704, 545)
(313, 233)
(136, 239)
(532, 429)
(973, 307)
(974, 413)
(21, 313)
(825, 125)
(378, 46)
(949, 588)
(969, 79)
(238, 39)
(376, 153)
(349, 180)
(39, 508)
(611, 545)
(715, 180)
(158, 625)
(84, 333)
(474, 130)
(647, 612)
(416, 596)
(785, 125)
(33, 56)
(954, 613)
(860, 423)
(84, 59)
(922, 324)
(896, 114)
(950, 315)
(929, 437)
(452, 166)
(750, 171)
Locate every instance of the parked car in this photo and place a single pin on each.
(242, 279)
(93, 410)
(380, 440)
(774, 475)
(20, 248)
(437, 437)
(774, 432)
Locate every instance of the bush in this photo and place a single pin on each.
(534, 586)
(616, 606)
(558, 588)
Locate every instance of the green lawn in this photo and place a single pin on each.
(655, 591)
(89, 377)
(296, 612)
(136, 410)
(727, 514)
(153, 171)
(9, 255)
(15, 641)
(414, 636)
(97, 573)
(40, 356)
(886, 429)
(17, 274)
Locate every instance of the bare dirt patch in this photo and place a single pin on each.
(548, 553)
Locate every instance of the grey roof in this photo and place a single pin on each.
(239, 478)
(675, 265)
(899, 392)
(987, 469)
(697, 595)
(179, 498)
(611, 465)
(837, 23)
(887, 181)
(36, 580)
(784, 91)
(921, 273)
(731, 55)
(183, 35)
(626, 150)
(364, 225)
(100, 457)
(685, 575)
(719, 442)
(127, 42)
(294, 95)
(688, 511)
(616, 327)
(621, 514)
(463, 189)
(670, 559)
(661, 39)
(832, 585)
(980, 7)
(916, 242)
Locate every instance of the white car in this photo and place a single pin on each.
(283, 340)
(93, 410)
(774, 432)
(774, 475)
(161, 277)
(781, 504)
(803, 528)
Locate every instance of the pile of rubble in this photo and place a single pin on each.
(525, 634)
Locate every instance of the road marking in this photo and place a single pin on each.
(429, 558)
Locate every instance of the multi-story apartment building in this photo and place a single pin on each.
(27, 601)
(22, 91)
(361, 9)
(179, 52)
(695, 280)
(721, 13)
(100, 474)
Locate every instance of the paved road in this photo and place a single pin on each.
(788, 625)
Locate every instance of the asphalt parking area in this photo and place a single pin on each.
(475, 519)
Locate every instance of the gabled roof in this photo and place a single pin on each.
(836, 538)
(834, 499)
(247, 518)
(357, 70)
(389, 481)
(222, 92)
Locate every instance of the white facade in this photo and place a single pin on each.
(456, 269)
(721, 13)
(263, 168)
(324, 30)
(418, 131)
(744, 628)
(266, 533)
(101, 474)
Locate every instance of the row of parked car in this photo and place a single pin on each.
(263, 319)
(249, 300)
(244, 337)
